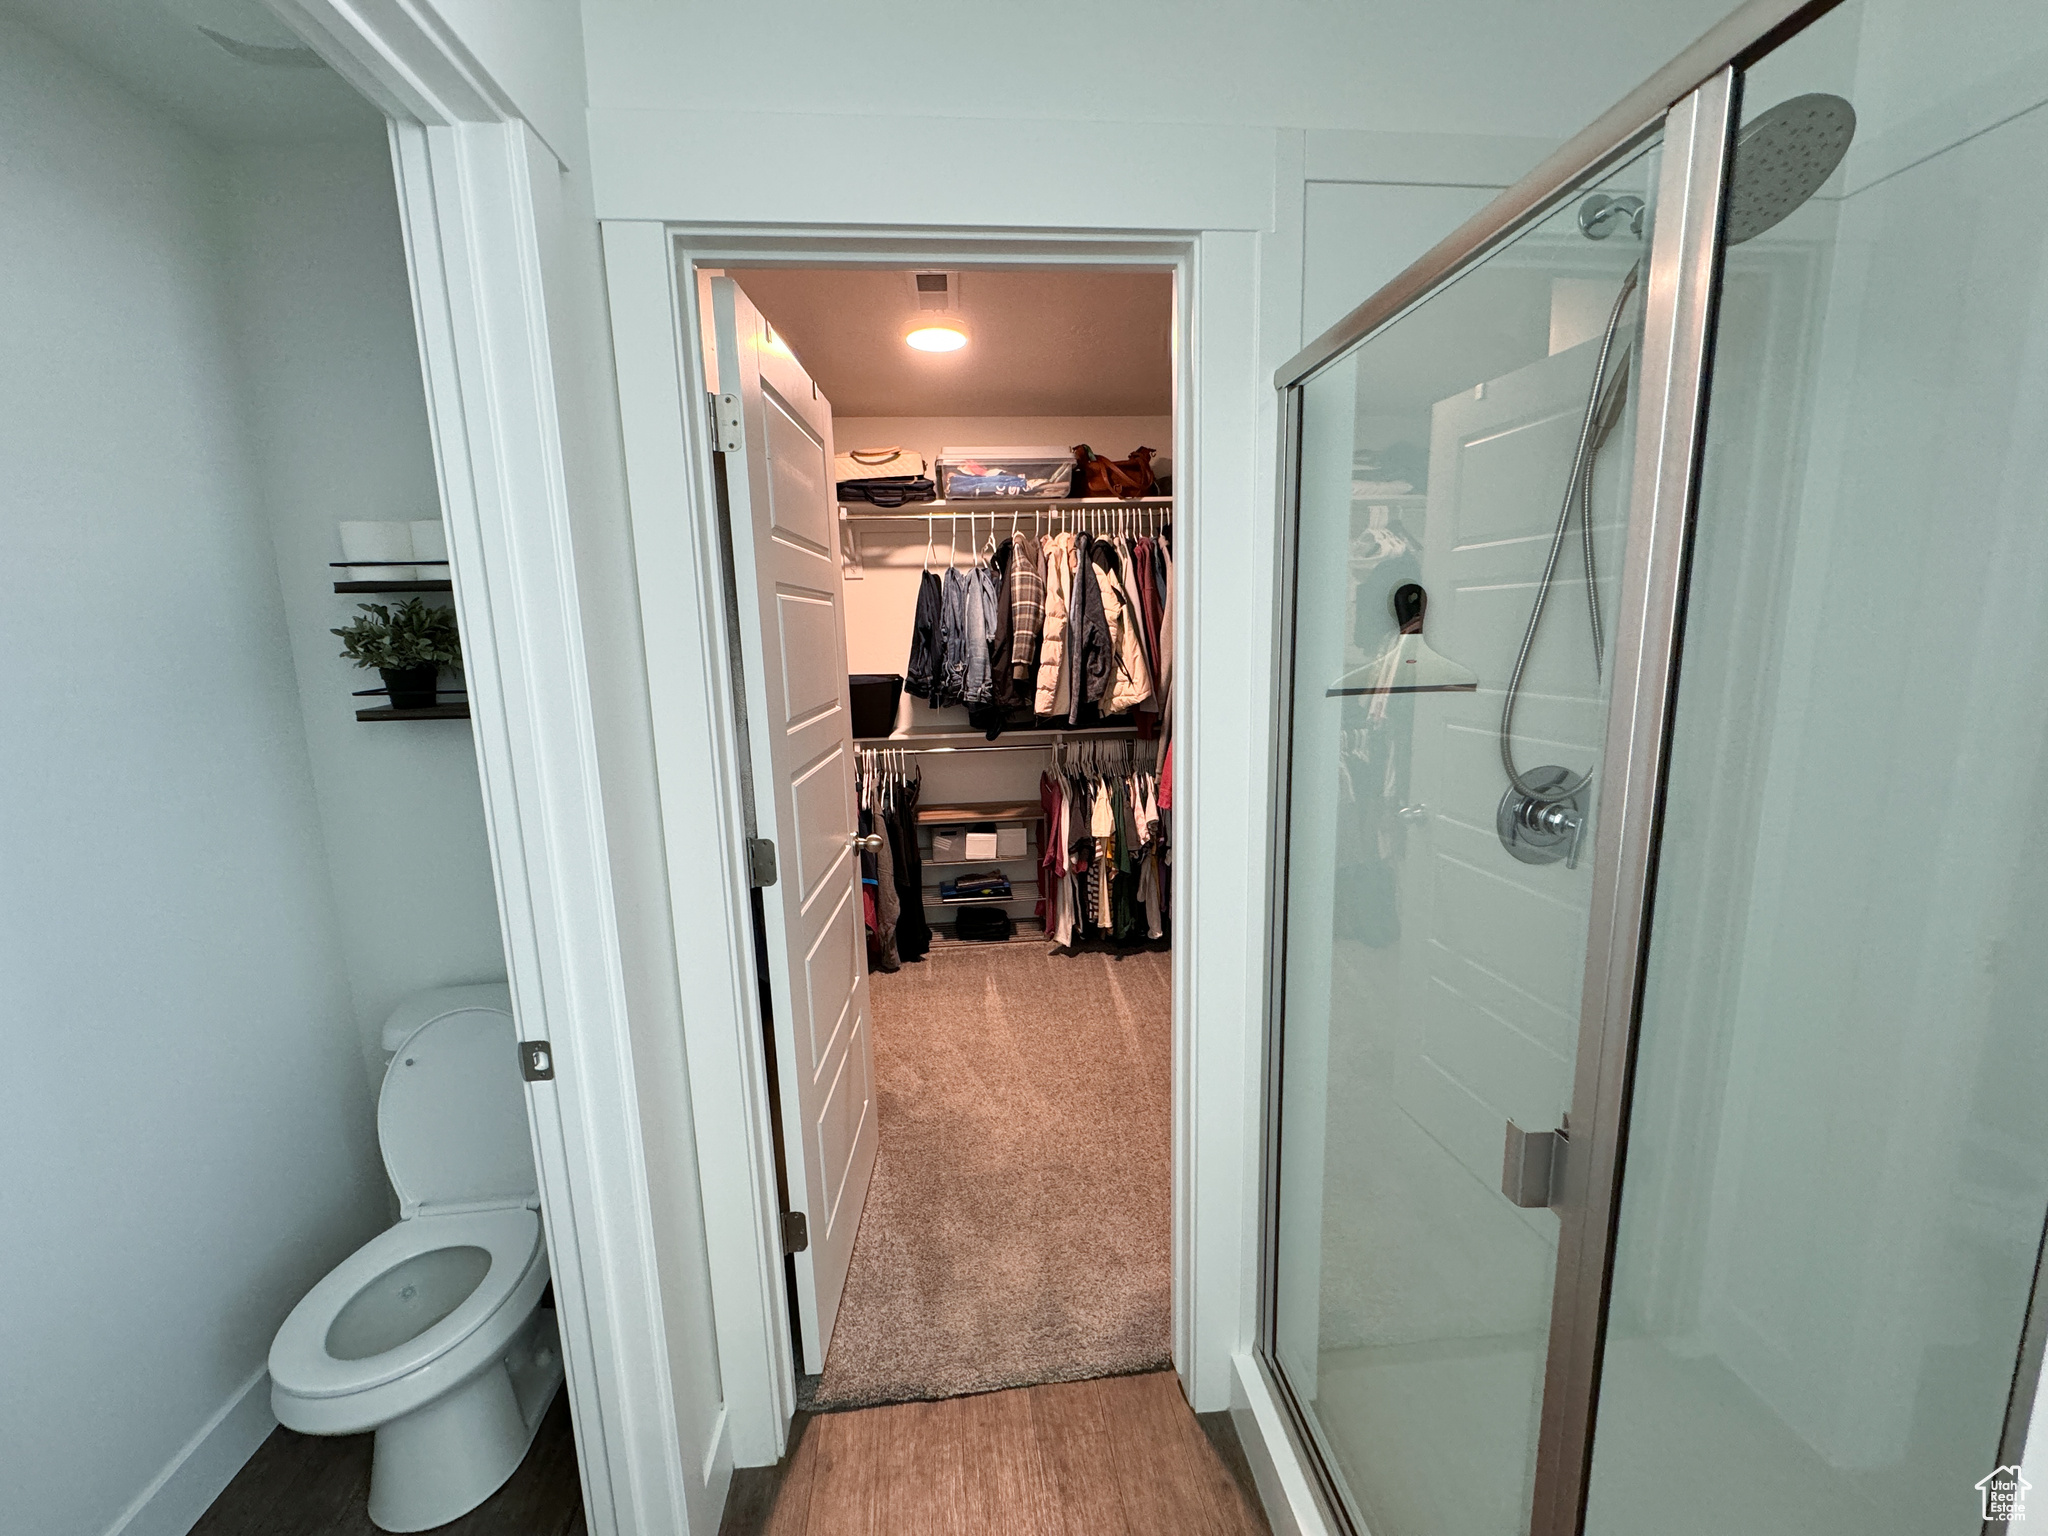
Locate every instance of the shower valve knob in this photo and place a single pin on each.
(1543, 820)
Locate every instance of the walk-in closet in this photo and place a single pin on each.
(982, 1151)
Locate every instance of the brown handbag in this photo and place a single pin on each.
(1125, 478)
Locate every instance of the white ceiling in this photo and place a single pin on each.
(154, 50)
(1044, 343)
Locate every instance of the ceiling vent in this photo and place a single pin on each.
(936, 292)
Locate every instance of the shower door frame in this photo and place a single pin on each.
(1695, 102)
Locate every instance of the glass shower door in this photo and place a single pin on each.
(1837, 1156)
(1463, 495)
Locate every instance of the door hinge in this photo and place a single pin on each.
(725, 422)
(537, 1061)
(796, 1232)
(760, 862)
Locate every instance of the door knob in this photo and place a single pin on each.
(868, 844)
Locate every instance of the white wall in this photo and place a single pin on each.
(1464, 66)
(324, 323)
(185, 1125)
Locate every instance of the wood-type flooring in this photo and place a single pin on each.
(1122, 1456)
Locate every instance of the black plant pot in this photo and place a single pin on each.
(411, 687)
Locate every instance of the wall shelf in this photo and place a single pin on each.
(432, 584)
(436, 712)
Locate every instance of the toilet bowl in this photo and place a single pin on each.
(432, 1334)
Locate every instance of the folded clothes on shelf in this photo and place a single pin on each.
(993, 886)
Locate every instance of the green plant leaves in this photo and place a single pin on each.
(411, 635)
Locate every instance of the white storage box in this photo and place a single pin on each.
(981, 845)
(972, 474)
(1012, 843)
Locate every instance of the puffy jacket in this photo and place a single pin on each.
(1130, 681)
(1049, 697)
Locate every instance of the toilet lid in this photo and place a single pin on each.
(452, 1116)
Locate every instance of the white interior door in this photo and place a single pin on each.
(779, 487)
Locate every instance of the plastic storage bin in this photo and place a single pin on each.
(873, 697)
(974, 474)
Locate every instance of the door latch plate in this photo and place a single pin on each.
(537, 1061)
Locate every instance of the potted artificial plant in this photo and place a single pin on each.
(408, 646)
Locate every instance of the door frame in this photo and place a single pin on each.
(464, 158)
(652, 269)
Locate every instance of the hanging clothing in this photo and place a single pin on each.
(1088, 648)
(978, 632)
(1027, 613)
(1130, 680)
(913, 933)
(924, 639)
(1050, 697)
(949, 679)
(1002, 691)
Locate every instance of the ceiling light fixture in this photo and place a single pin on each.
(932, 335)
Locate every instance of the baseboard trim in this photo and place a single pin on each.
(1291, 1505)
(178, 1495)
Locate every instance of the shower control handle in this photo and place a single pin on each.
(1543, 820)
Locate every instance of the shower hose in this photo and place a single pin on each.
(1601, 401)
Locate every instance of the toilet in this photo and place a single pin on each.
(432, 1333)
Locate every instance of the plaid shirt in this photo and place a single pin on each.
(1027, 609)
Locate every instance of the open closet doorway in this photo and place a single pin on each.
(948, 515)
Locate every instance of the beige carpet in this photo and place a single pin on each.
(1018, 1226)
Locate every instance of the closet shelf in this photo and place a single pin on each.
(956, 815)
(1015, 858)
(1021, 737)
(976, 505)
(943, 937)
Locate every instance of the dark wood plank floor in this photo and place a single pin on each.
(1118, 1457)
(319, 1485)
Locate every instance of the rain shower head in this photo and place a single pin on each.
(1782, 158)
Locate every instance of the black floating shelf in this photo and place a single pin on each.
(435, 712)
(394, 586)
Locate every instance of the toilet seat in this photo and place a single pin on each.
(301, 1363)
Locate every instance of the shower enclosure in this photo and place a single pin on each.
(1657, 1128)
